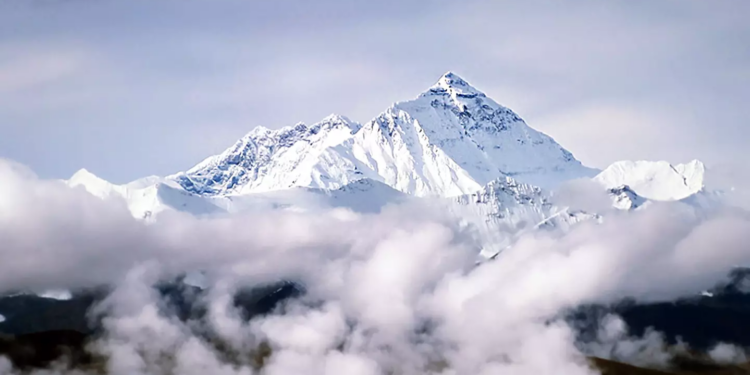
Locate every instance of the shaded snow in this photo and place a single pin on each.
(624, 198)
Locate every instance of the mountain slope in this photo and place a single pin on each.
(478, 159)
(657, 180)
(267, 160)
(453, 140)
(147, 198)
(450, 140)
(624, 198)
(505, 209)
(362, 196)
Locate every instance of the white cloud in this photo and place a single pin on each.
(396, 291)
(727, 354)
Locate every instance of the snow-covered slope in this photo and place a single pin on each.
(499, 211)
(450, 140)
(267, 160)
(505, 209)
(507, 203)
(564, 219)
(145, 197)
(453, 139)
(365, 196)
(657, 180)
(362, 196)
(624, 198)
(95, 185)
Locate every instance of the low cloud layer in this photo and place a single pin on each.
(391, 293)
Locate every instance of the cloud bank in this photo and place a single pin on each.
(390, 293)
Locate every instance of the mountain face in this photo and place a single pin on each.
(657, 180)
(624, 198)
(500, 211)
(451, 146)
(145, 197)
(267, 160)
(449, 141)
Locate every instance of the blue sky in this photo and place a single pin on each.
(134, 88)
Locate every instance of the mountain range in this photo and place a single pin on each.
(451, 145)
(450, 148)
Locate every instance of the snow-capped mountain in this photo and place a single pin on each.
(657, 180)
(506, 202)
(499, 211)
(505, 209)
(449, 141)
(267, 160)
(451, 146)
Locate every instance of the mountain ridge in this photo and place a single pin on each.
(476, 159)
(448, 141)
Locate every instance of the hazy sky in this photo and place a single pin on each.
(134, 88)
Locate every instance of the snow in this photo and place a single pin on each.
(624, 198)
(656, 180)
(95, 185)
(361, 196)
(149, 201)
(267, 160)
(145, 197)
(564, 219)
(451, 146)
(449, 141)
(505, 209)
(495, 215)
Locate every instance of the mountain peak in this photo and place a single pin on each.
(451, 78)
(92, 183)
(335, 119)
(84, 175)
(449, 141)
(451, 84)
(83, 172)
